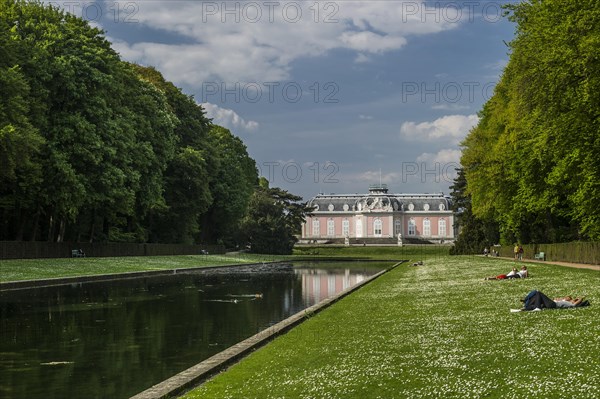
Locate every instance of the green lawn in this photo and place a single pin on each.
(29, 269)
(414, 252)
(434, 331)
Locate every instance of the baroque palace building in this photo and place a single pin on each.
(379, 215)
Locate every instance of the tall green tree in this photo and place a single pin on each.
(188, 177)
(233, 184)
(532, 163)
(274, 220)
(94, 148)
(20, 141)
(474, 234)
(107, 135)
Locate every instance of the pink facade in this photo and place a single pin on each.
(380, 215)
(388, 228)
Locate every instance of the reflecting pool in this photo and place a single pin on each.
(115, 339)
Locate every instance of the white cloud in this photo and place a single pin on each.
(365, 117)
(444, 156)
(361, 59)
(371, 42)
(228, 118)
(450, 128)
(219, 48)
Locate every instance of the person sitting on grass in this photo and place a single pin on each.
(518, 274)
(536, 300)
(510, 274)
(523, 273)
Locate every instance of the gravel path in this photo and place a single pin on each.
(567, 264)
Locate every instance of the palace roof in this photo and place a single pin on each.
(379, 200)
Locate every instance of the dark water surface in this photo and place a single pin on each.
(115, 339)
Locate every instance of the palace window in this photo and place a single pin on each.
(442, 227)
(377, 227)
(359, 229)
(345, 228)
(316, 228)
(426, 227)
(412, 227)
(330, 228)
(397, 227)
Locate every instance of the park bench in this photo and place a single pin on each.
(77, 253)
(540, 256)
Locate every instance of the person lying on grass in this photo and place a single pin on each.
(568, 301)
(536, 300)
(512, 274)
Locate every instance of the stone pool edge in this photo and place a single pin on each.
(195, 375)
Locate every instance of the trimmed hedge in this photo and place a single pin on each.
(576, 252)
(41, 249)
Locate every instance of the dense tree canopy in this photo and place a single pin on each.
(93, 148)
(274, 220)
(232, 186)
(101, 136)
(533, 161)
(475, 234)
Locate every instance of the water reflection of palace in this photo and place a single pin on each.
(318, 285)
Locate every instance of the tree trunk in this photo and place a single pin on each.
(36, 220)
(105, 228)
(61, 230)
(51, 228)
(93, 228)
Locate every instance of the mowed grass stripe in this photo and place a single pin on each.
(437, 330)
(30, 269)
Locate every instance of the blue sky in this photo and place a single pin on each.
(326, 94)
